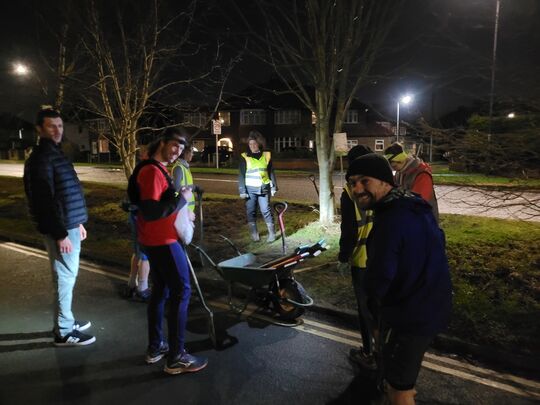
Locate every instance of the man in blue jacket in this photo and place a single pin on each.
(407, 280)
(57, 206)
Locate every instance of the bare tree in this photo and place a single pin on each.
(64, 36)
(323, 52)
(138, 69)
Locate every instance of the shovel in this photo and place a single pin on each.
(280, 208)
(312, 178)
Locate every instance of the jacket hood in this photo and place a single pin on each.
(405, 199)
(416, 164)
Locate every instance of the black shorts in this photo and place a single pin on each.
(402, 358)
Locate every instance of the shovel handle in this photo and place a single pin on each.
(280, 208)
(312, 178)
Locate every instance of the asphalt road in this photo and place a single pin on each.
(258, 363)
(452, 200)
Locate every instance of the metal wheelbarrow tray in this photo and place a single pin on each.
(273, 283)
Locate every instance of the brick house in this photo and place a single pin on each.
(289, 128)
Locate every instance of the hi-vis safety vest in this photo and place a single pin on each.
(359, 255)
(187, 181)
(257, 170)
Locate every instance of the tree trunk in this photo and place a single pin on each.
(326, 168)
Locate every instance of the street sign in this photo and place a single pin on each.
(216, 127)
(340, 144)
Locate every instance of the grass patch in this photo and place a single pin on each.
(494, 263)
(442, 175)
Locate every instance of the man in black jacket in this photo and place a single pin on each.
(57, 206)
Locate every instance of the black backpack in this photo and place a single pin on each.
(133, 188)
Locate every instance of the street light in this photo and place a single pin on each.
(20, 69)
(406, 99)
(511, 115)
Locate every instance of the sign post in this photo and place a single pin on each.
(216, 130)
(341, 149)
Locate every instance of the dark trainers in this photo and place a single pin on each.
(154, 355)
(142, 296)
(74, 338)
(185, 363)
(81, 325)
(366, 361)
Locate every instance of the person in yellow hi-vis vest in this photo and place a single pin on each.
(256, 184)
(355, 227)
(182, 176)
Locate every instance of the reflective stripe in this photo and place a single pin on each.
(257, 170)
(359, 255)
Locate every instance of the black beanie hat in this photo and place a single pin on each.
(372, 165)
(393, 150)
(357, 151)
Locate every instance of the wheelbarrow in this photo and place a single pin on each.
(271, 283)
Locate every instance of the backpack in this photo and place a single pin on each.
(133, 193)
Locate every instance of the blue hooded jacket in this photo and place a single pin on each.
(407, 268)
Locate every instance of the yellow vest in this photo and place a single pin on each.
(187, 181)
(257, 170)
(359, 255)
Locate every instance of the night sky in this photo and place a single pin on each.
(444, 56)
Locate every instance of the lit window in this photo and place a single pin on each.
(252, 117)
(351, 117)
(225, 118)
(313, 118)
(196, 119)
(287, 117)
(286, 142)
(379, 145)
(352, 143)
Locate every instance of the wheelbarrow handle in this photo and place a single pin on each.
(212, 263)
(232, 245)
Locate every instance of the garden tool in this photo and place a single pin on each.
(280, 208)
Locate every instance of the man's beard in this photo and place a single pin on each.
(365, 200)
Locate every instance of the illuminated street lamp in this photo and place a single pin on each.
(20, 69)
(511, 115)
(406, 99)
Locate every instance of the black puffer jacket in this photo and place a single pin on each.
(54, 193)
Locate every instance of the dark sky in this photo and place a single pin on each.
(444, 57)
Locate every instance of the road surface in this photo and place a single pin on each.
(452, 200)
(258, 363)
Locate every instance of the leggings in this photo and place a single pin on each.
(170, 281)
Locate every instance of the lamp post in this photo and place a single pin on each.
(404, 100)
(493, 61)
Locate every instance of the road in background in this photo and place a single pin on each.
(452, 199)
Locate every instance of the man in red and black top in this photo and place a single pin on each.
(158, 207)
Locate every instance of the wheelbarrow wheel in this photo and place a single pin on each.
(287, 290)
